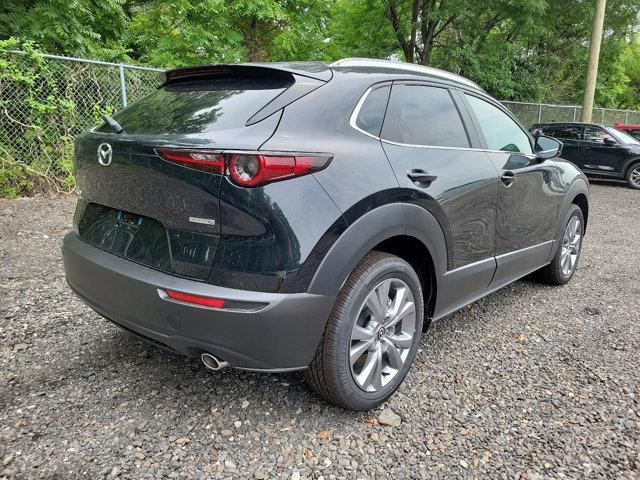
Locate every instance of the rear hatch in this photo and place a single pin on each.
(165, 215)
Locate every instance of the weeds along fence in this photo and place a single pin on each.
(46, 100)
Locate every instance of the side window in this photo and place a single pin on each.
(500, 131)
(566, 132)
(423, 115)
(596, 134)
(372, 110)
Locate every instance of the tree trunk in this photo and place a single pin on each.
(254, 49)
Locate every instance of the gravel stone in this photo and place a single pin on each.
(531, 382)
(390, 418)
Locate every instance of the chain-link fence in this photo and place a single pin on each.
(46, 100)
(90, 87)
(532, 113)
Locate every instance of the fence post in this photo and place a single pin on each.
(575, 113)
(540, 113)
(602, 116)
(626, 117)
(123, 86)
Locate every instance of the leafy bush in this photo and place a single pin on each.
(44, 104)
(36, 142)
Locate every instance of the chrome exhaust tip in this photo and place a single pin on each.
(213, 362)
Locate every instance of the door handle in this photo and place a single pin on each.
(508, 178)
(420, 177)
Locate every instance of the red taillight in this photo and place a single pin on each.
(248, 169)
(211, 162)
(196, 299)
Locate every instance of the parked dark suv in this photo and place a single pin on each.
(600, 151)
(279, 217)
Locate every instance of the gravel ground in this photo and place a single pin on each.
(530, 382)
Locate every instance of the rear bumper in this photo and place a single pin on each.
(282, 336)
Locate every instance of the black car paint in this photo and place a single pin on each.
(595, 159)
(304, 236)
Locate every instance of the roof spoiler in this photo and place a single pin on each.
(314, 70)
(305, 77)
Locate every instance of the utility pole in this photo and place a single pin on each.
(594, 57)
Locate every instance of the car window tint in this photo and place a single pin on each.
(595, 134)
(500, 131)
(423, 115)
(566, 132)
(372, 111)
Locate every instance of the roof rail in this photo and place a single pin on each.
(408, 67)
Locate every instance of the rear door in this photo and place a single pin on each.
(528, 195)
(432, 153)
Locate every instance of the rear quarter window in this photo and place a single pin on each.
(372, 110)
(199, 106)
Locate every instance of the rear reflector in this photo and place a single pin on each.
(195, 299)
(249, 169)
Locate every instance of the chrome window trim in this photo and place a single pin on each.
(522, 250)
(497, 257)
(471, 265)
(356, 112)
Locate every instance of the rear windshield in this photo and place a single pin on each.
(199, 106)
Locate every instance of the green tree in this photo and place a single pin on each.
(180, 33)
(73, 27)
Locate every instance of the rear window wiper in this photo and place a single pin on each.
(113, 124)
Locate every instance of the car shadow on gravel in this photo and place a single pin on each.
(152, 374)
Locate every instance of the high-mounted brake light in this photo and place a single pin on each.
(196, 299)
(249, 169)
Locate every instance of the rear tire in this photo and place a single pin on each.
(565, 261)
(633, 176)
(372, 335)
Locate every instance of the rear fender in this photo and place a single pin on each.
(368, 231)
(579, 186)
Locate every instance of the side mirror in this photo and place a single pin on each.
(547, 147)
(609, 141)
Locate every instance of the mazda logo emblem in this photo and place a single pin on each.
(105, 154)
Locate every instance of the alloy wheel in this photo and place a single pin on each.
(382, 334)
(571, 246)
(634, 177)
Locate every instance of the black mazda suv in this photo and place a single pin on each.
(304, 216)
